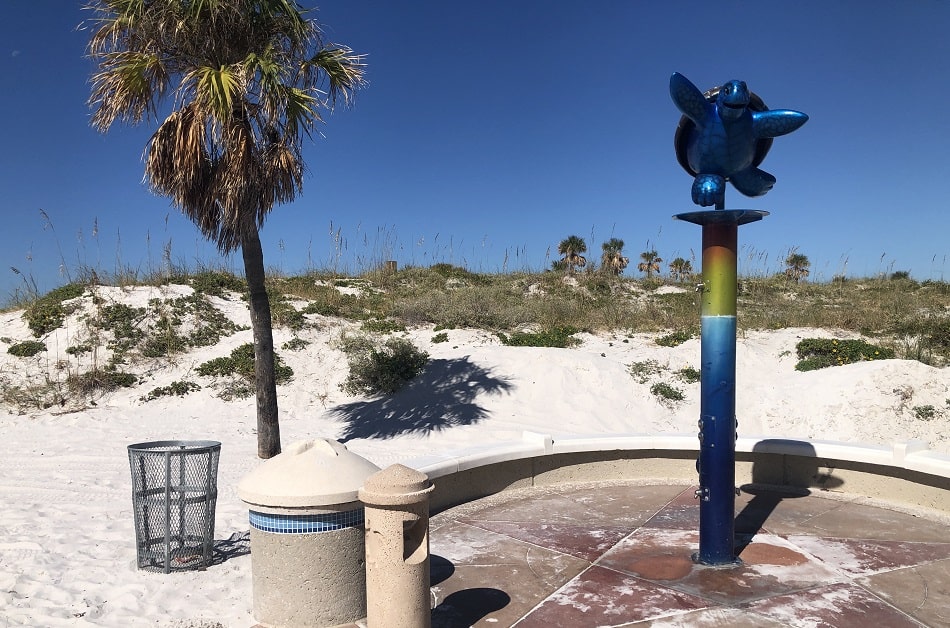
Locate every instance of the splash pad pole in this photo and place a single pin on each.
(722, 137)
(717, 420)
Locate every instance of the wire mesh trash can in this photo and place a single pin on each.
(174, 492)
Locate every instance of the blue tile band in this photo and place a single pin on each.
(306, 524)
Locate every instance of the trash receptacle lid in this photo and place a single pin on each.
(319, 472)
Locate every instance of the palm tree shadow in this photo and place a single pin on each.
(442, 396)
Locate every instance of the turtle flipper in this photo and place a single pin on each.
(689, 99)
(776, 122)
(752, 181)
(709, 189)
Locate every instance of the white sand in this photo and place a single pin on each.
(67, 555)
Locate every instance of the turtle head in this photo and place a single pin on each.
(732, 100)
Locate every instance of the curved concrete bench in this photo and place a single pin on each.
(906, 475)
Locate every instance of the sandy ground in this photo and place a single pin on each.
(67, 551)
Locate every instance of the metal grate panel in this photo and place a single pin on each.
(174, 492)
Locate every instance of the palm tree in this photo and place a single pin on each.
(681, 269)
(612, 259)
(246, 80)
(796, 266)
(650, 264)
(571, 248)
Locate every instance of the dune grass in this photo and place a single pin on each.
(910, 319)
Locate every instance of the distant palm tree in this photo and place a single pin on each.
(681, 269)
(612, 259)
(796, 266)
(247, 80)
(650, 264)
(570, 249)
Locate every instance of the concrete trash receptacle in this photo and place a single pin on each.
(307, 538)
(397, 548)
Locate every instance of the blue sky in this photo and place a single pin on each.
(492, 130)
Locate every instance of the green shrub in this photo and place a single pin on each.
(283, 314)
(163, 344)
(382, 326)
(79, 349)
(48, 312)
(689, 375)
(440, 337)
(123, 321)
(674, 339)
(241, 364)
(26, 349)
(642, 371)
(457, 272)
(816, 353)
(666, 392)
(925, 413)
(216, 283)
(100, 380)
(374, 371)
(329, 302)
(295, 344)
(177, 388)
(560, 337)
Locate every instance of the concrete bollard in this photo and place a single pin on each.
(397, 548)
(307, 542)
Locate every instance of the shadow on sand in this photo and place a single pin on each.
(442, 396)
(235, 546)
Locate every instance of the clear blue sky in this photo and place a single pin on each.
(492, 130)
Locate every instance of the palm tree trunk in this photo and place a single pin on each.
(268, 428)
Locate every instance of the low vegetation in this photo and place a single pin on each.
(667, 393)
(674, 339)
(49, 311)
(109, 340)
(560, 337)
(26, 349)
(381, 369)
(817, 353)
(689, 375)
(176, 388)
(235, 372)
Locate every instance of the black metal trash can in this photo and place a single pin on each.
(174, 492)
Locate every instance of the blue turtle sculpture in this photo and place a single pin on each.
(724, 135)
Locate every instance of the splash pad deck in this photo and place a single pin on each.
(600, 531)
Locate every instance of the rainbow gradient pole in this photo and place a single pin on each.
(717, 420)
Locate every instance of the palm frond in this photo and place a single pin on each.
(218, 89)
(343, 70)
(300, 112)
(126, 87)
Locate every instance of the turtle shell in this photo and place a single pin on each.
(685, 127)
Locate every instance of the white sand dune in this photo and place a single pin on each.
(67, 555)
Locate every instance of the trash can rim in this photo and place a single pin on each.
(160, 446)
